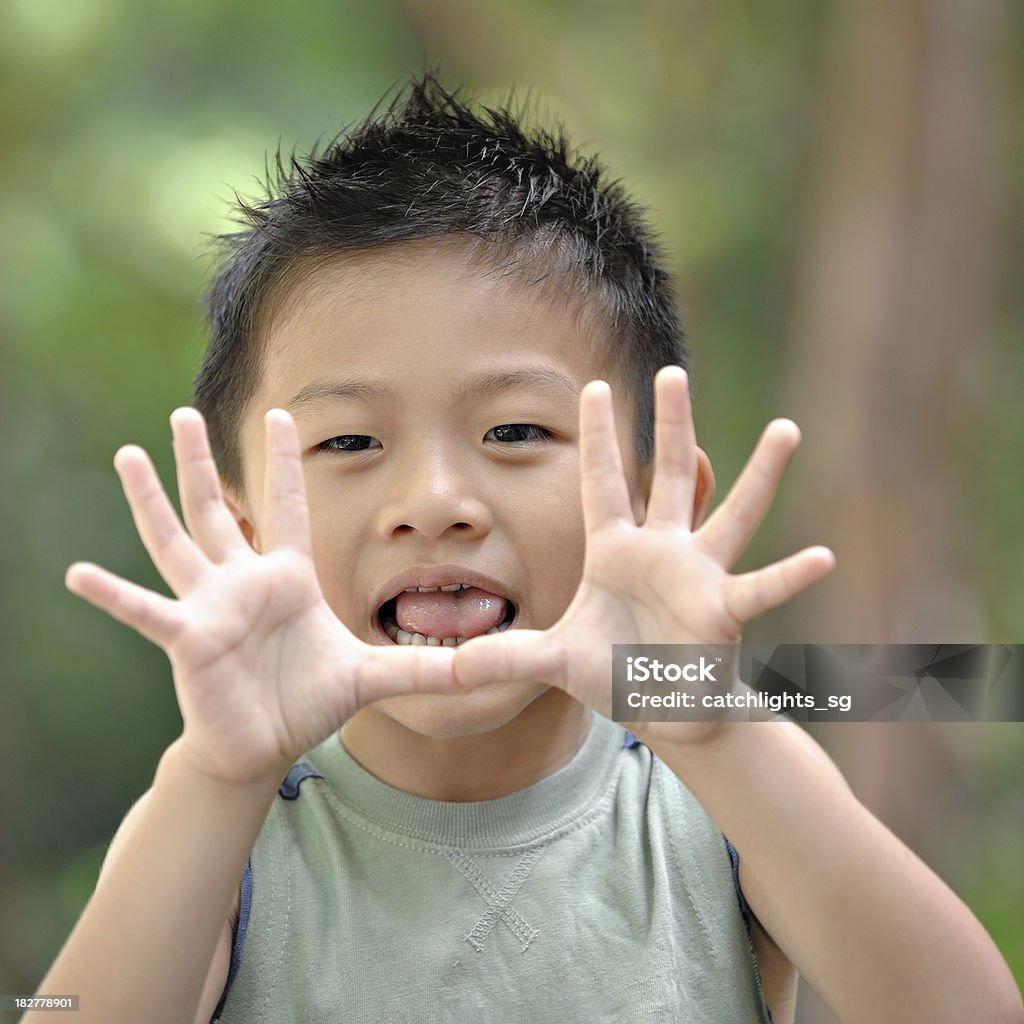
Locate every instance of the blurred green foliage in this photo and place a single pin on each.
(127, 128)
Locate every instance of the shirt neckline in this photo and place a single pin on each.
(523, 817)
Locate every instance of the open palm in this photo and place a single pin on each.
(661, 582)
(263, 668)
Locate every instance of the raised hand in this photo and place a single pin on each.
(263, 669)
(662, 582)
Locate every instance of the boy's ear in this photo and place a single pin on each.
(704, 491)
(238, 508)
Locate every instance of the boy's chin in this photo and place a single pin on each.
(447, 716)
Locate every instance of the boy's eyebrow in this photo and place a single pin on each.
(526, 378)
(496, 382)
(339, 387)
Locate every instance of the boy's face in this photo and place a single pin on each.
(409, 362)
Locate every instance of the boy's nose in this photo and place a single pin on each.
(434, 496)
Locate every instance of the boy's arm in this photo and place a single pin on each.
(144, 945)
(216, 977)
(877, 934)
(871, 928)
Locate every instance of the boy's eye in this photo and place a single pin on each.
(348, 443)
(517, 433)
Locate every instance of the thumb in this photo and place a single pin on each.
(395, 671)
(517, 655)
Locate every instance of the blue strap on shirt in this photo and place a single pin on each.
(288, 790)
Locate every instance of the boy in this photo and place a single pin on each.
(428, 520)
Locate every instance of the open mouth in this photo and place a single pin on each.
(444, 616)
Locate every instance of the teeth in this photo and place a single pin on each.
(450, 589)
(406, 639)
(500, 628)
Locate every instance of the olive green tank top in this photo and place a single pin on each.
(602, 893)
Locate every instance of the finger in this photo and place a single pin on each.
(675, 451)
(202, 502)
(517, 655)
(395, 671)
(174, 554)
(603, 483)
(729, 530)
(285, 487)
(152, 615)
(754, 593)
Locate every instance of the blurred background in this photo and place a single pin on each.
(839, 187)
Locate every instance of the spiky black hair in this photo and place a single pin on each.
(430, 167)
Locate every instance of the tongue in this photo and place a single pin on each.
(459, 613)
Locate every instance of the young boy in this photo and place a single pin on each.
(429, 520)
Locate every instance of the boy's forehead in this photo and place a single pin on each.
(388, 310)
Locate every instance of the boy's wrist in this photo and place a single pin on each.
(181, 761)
(727, 751)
